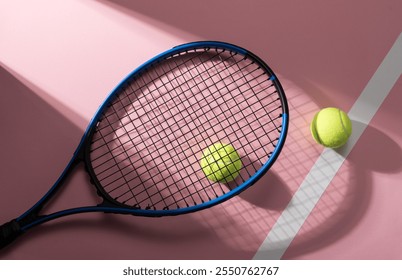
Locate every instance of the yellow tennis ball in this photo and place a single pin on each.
(221, 163)
(331, 127)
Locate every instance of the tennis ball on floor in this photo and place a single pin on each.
(221, 163)
(331, 127)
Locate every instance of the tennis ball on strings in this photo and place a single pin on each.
(221, 163)
(331, 127)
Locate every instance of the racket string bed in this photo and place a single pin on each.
(169, 129)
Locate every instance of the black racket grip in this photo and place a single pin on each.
(8, 232)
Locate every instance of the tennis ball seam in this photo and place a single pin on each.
(343, 124)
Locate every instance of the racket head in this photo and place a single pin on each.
(143, 146)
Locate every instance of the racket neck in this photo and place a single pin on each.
(33, 212)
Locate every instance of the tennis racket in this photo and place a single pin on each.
(142, 149)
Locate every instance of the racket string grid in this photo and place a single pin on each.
(147, 145)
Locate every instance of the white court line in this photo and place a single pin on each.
(329, 162)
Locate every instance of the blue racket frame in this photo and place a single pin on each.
(31, 218)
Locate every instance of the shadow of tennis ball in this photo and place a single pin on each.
(380, 153)
(269, 192)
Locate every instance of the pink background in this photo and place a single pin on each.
(60, 59)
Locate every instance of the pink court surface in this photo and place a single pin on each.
(60, 59)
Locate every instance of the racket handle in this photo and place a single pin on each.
(8, 232)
